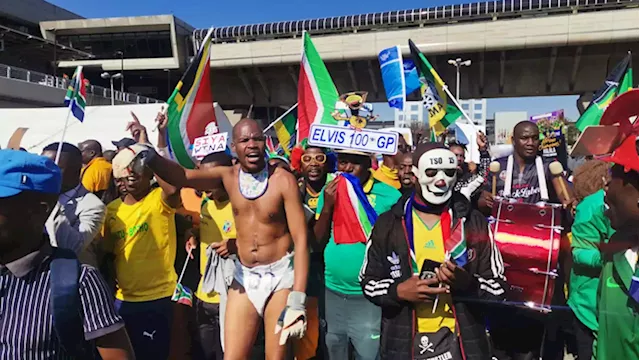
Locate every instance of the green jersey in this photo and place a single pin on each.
(617, 310)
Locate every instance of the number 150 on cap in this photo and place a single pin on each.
(339, 137)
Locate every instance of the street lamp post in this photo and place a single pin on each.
(106, 75)
(168, 71)
(121, 70)
(458, 63)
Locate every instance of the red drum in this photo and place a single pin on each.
(528, 236)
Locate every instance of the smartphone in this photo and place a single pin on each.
(426, 272)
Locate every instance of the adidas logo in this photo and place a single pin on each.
(429, 245)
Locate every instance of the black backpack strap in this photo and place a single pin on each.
(65, 304)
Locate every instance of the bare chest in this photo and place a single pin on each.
(268, 208)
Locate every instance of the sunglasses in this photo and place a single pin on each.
(319, 158)
(433, 172)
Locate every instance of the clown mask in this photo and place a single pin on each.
(436, 173)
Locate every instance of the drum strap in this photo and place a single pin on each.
(542, 180)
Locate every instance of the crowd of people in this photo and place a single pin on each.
(98, 253)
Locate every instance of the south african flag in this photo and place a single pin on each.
(182, 295)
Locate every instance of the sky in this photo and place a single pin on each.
(203, 14)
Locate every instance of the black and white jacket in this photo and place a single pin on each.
(387, 264)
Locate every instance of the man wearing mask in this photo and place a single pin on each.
(77, 217)
(413, 273)
(349, 316)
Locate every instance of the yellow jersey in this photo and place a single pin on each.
(429, 245)
(142, 237)
(216, 224)
(96, 176)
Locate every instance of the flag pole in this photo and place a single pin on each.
(64, 131)
(456, 103)
(184, 267)
(279, 118)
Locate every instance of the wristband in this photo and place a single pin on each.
(296, 300)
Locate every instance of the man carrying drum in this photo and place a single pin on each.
(524, 177)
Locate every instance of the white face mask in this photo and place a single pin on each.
(436, 174)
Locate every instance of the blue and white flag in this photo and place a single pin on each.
(400, 77)
(411, 78)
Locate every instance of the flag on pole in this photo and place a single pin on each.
(76, 95)
(619, 81)
(317, 94)
(182, 295)
(399, 76)
(285, 128)
(434, 96)
(190, 106)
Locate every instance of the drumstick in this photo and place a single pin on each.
(447, 257)
(556, 170)
(494, 167)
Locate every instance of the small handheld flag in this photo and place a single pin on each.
(75, 98)
(182, 294)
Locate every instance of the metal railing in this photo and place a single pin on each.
(34, 77)
(413, 17)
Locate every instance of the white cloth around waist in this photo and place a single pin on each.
(260, 281)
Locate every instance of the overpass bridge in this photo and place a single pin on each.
(517, 48)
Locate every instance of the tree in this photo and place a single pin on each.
(572, 133)
(419, 131)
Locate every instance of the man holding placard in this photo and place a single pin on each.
(349, 316)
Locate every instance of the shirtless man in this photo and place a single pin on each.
(269, 218)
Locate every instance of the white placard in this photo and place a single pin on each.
(208, 144)
(338, 137)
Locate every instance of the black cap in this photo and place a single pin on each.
(123, 143)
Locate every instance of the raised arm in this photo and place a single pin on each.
(297, 227)
(176, 175)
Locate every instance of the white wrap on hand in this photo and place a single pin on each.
(293, 319)
(472, 186)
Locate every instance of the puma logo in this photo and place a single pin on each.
(150, 335)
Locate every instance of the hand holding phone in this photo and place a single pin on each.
(428, 270)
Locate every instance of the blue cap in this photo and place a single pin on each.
(20, 171)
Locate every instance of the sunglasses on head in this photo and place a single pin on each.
(433, 172)
(319, 158)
